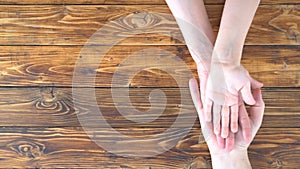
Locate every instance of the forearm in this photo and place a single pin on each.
(194, 24)
(231, 160)
(236, 21)
(191, 13)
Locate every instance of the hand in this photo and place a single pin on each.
(227, 87)
(239, 148)
(203, 67)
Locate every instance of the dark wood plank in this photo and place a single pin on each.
(84, 2)
(275, 66)
(75, 24)
(71, 147)
(55, 107)
(123, 2)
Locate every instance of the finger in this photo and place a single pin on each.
(255, 84)
(229, 142)
(245, 123)
(247, 95)
(259, 102)
(257, 111)
(234, 111)
(216, 118)
(225, 121)
(240, 99)
(207, 129)
(207, 109)
(220, 141)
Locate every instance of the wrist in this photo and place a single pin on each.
(203, 63)
(219, 66)
(234, 159)
(227, 54)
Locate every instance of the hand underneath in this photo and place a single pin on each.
(239, 147)
(230, 113)
(203, 68)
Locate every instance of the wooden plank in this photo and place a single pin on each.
(84, 2)
(275, 66)
(74, 24)
(122, 2)
(71, 147)
(55, 107)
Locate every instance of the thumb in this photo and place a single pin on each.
(247, 95)
(206, 128)
(194, 90)
(255, 84)
(203, 76)
(257, 111)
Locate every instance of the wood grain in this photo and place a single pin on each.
(71, 147)
(42, 115)
(75, 24)
(47, 107)
(123, 2)
(275, 66)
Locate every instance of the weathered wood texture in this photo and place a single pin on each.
(74, 24)
(71, 147)
(275, 66)
(124, 2)
(40, 43)
(48, 107)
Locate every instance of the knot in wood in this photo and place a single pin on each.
(29, 149)
(293, 32)
(48, 95)
(139, 20)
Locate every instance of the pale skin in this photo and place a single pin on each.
(238, 157)
(222, 54)
(235, 23)
(195, 26)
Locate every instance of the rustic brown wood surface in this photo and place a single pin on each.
(41, 42)
(71, 147)
(125, 2)
(74, 24)
(275, 66)
(47, 106)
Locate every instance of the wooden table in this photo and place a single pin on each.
(41, 41)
